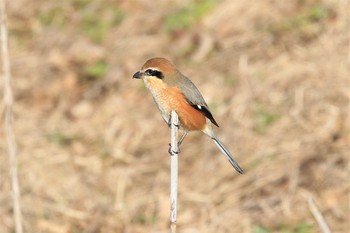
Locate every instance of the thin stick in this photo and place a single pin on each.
(317, 215)
(174, 151)
(9, 132)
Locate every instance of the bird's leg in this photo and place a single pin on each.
(182, 138)
(171, 152)
(178, 144)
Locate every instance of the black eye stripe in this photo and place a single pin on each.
(155, 73)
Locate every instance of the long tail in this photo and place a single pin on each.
(227, 153)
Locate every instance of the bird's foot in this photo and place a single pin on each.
(172, 152)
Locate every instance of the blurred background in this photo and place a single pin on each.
(93, 147)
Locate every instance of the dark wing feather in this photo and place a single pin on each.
(205, 111)
(194, 97)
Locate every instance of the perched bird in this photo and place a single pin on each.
(171, 90)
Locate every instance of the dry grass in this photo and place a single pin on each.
(93, 148)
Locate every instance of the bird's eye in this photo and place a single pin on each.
(155, 73)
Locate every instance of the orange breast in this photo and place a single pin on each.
(190, 118)
(171, 98)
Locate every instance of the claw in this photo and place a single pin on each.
(178, 144)
(171, 152)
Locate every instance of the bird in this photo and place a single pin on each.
(173, 91)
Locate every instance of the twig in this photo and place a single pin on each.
(317, 214)
(174, 151)
(9, 132)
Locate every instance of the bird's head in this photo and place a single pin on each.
(157, 68)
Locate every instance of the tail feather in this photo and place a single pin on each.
(228, 155)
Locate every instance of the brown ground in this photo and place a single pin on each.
(93, 148)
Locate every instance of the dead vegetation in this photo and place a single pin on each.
(93, 148)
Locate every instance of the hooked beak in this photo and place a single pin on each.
(137, 75)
